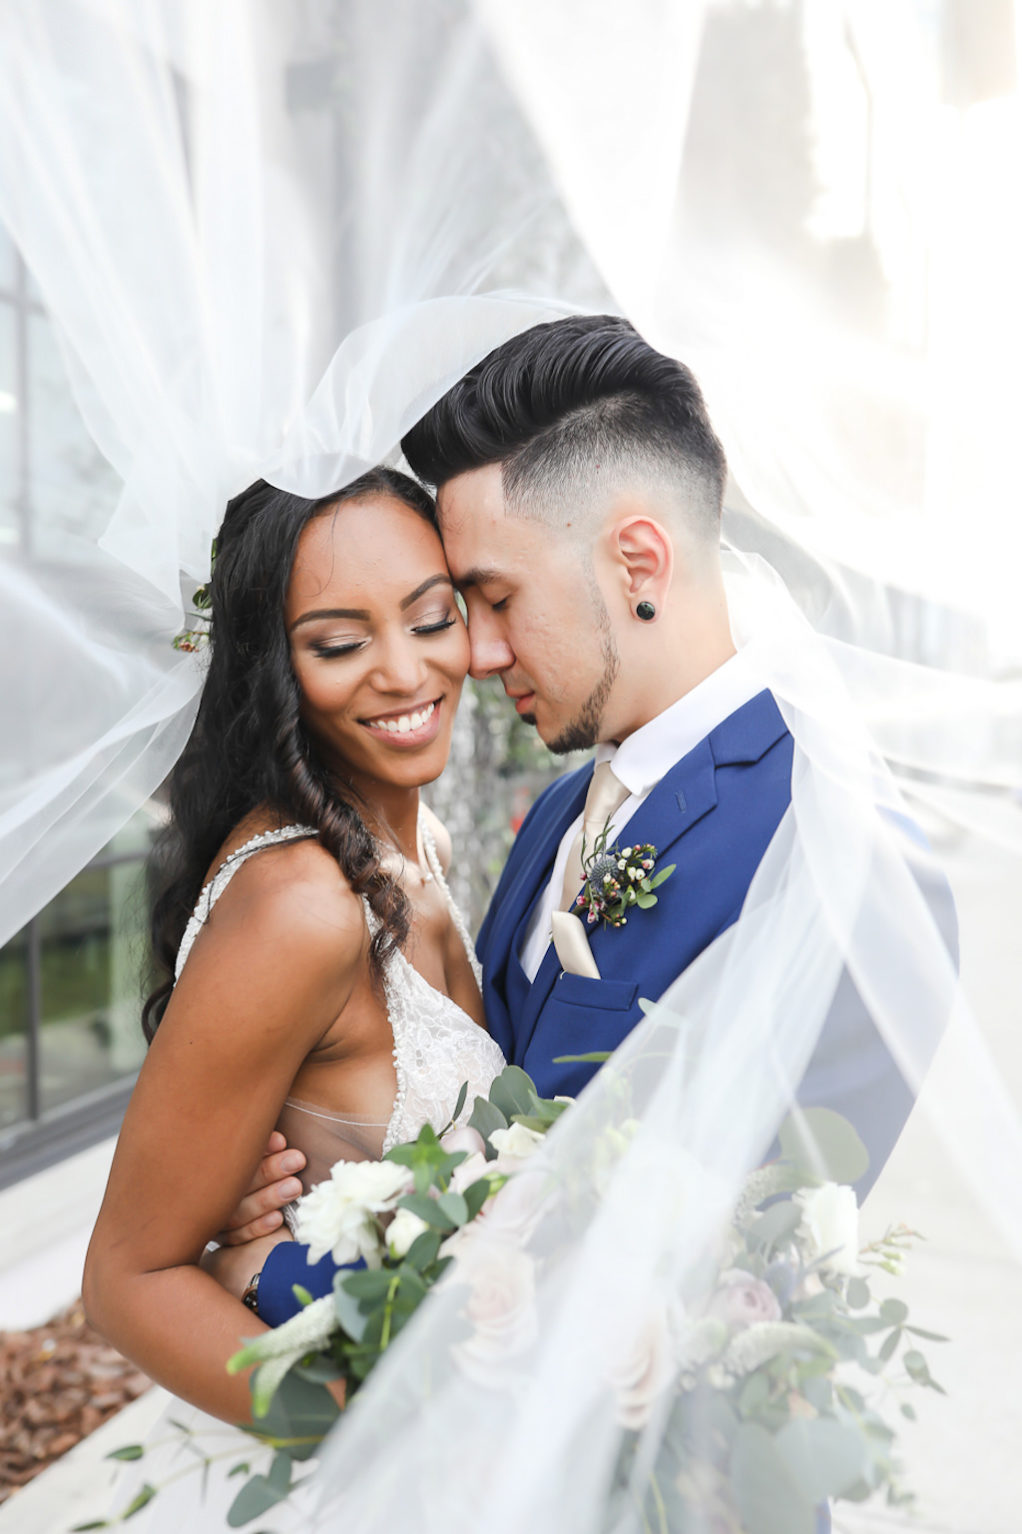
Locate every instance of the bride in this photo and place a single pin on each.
(316, 976)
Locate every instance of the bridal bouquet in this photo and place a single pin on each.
(756, 1385)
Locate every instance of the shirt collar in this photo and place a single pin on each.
(641, 760)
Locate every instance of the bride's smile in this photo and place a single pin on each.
(378, 645)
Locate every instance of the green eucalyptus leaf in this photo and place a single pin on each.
(908, 1411)
(513, 1092)
(889, 1346)
(462, 1095)
(778, 1221)
(475, 1196)
(300, 1414)
(141, 1499)
(769, 1497)
(825, 1457)
(368, 1283)
(98, 1523)
(486, 1118)
(857, 1294)
(130, 1451)
(453, 1206)
(280, 1470)
(894, 1312)
(428, 1209)
(256, 1496)
(301, 1294)
(422, 1253)
(242, 1468)
(824, 1145)
(349, 1311)
(644, 900)
(918, 1331)
(596, 1057)
(661, 874)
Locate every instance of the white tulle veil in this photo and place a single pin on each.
(270, 236)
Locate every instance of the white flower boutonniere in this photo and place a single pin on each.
(618, 878)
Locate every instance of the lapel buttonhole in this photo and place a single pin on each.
(682, 802)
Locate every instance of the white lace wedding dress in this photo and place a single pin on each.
(436, 1048)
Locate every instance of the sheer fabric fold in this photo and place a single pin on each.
(269, 237)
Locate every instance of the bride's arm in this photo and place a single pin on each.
(261, 987)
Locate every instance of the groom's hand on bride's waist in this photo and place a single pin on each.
(273, 1185)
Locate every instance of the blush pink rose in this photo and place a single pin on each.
(741, 1300)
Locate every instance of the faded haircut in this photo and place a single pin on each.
(575, 411)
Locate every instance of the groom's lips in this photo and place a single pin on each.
(523, 701)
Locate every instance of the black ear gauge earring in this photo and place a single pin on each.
(646, 611)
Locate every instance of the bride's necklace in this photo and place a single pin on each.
(420, 863)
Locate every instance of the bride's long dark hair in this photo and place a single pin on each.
(248, 747)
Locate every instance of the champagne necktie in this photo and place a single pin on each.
(606, 794)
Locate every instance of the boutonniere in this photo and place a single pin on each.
(617, 878)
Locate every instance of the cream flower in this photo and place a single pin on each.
(642, 1364)
(830, 1224)
(403, 1229)
(500, 1306)
(339, 1214)
(514, 1146)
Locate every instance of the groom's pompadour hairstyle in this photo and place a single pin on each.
(568, 408)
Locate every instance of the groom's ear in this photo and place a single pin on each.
(643, 550)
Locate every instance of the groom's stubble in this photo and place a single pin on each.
(586, 729)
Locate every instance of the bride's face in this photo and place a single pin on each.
(377, 642)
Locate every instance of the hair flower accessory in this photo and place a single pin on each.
(197, 638)
(618, 878)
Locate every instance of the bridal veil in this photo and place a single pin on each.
(270, 236)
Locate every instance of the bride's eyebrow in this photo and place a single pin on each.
(427, 585)
(361, 614)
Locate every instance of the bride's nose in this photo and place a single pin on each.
(400, 664)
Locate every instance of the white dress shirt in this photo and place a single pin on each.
(639, 762)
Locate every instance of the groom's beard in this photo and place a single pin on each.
(585, 730)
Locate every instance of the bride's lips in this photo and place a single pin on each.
(406, 728)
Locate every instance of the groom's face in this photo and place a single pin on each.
(536, 618)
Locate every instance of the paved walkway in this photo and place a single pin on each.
(963, 1457)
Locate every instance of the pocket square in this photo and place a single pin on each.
(572, 945)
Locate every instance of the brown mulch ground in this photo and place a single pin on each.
(58, 1382)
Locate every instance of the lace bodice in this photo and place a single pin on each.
(437, 1046)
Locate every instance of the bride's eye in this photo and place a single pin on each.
(448, 621)
(327, 651)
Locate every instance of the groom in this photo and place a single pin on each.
(579, 487)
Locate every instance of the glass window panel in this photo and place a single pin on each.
(14, 1002)
(8, 425)
(72, 485)
(8, 261)
(92, 952)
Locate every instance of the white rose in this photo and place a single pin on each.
(830, 1223)
(339, 1214)
(514, 1146)
(403, 1229)
(463, 1138)
(500, 1306)
(470, 1171)
(643, 1359)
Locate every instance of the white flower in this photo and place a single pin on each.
(500, 1306)
(403, 1229)
(514, 1146)
(830, 1223)
(338, 1215)
(642, 1363)
(463, 1138)
(470, 1171)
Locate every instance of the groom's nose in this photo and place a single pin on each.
(490, 651)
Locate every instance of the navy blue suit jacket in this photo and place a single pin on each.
(713, 815)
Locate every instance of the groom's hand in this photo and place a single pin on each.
(273, 1185)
